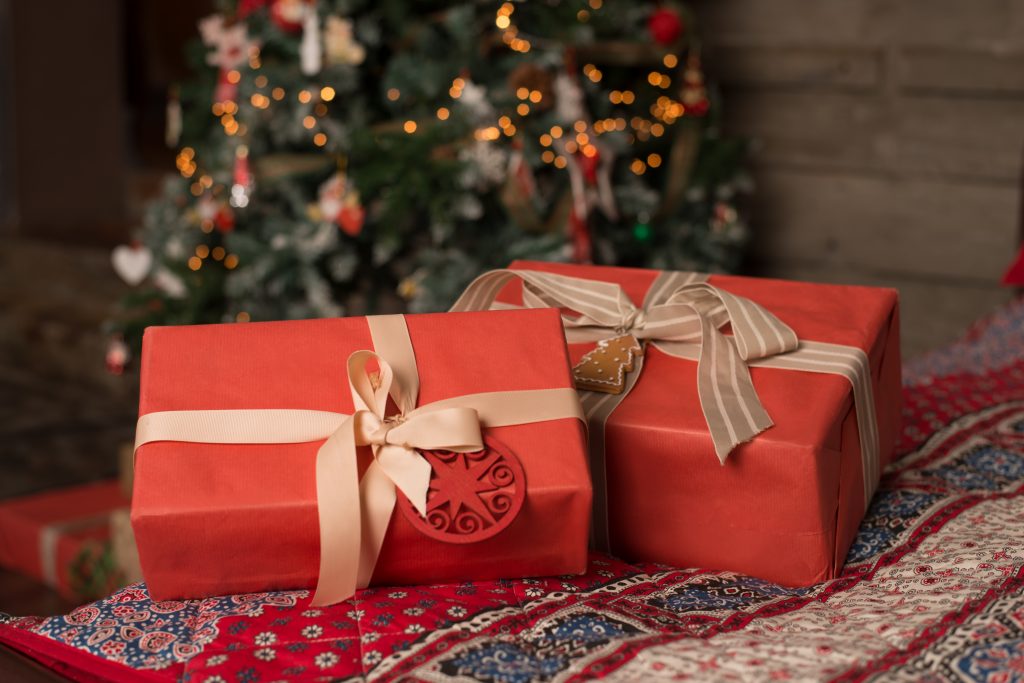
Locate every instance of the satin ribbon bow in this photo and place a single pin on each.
(349, 551)
(681, 318)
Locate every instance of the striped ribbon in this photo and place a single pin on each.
(682, 315)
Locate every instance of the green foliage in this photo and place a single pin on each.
(447, 201)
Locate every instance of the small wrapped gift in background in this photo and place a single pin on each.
(288, 455)
(63, 538)
(762, 457)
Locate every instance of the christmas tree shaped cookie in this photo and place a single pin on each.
(604, 369)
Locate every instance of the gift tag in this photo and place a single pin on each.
(604, 369)
(472, 496)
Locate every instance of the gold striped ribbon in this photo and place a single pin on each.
(682, 315)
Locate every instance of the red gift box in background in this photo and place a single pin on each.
(786, 505)
(216, 519)
(62, 538)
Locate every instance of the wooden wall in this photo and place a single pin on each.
(66, 137)
(888, 143)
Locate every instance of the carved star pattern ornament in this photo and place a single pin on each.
(472, 496)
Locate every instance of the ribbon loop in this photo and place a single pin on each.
(682, 311)
(757, 332)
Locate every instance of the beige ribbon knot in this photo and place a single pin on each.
(633, 323)
(395, 438)
(680, 314)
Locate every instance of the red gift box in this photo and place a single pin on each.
(224, 518)
(785, 506)
(62, 538)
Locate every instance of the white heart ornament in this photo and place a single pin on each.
(132, 263)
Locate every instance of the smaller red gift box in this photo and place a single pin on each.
(62, 538)
(231, 517)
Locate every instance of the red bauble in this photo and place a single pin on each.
(288, 14)
(665, 26)
(247, 7)
(224, 220)
(118, 355)
(351, 219)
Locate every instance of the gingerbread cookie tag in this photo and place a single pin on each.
(604, 369)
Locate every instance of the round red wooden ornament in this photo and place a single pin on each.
(472, 496)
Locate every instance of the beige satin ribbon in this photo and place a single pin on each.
(682, 316)
(354, 514)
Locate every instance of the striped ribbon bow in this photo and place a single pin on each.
(681, 312)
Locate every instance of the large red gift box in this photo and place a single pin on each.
(786, 505)
(62, 538)
(216, 519)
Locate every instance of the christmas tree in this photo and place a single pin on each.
(346, 156)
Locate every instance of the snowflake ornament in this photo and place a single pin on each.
(474, 100)
(486, 164)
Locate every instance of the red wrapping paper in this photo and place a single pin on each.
(44, 534)
(786, 505)
(218, 519)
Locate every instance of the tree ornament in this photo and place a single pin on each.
(474, 100)
(132, 262)
(231, 46)
(289, 14)
(207, 208)
(665, 26)
(723, 216)
(568, 99)
(172, 130)
(486, 165)
(339, 203)
(590, 179)
(224, 220)
(215, 213)
(242, 179)
(118, 355)
(230, 43)
(519, 193)
(340, 44)
(310, 49)
(694, 94)
(247, 7)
